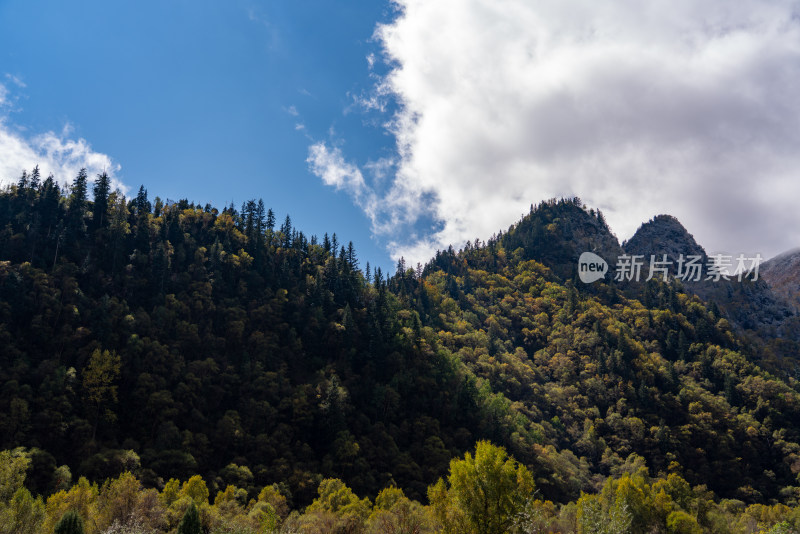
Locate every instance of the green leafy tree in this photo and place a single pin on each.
(195, 488)
(395, 513)
(24, 515)
(484, 494)
(338, 507)
(679, 522)
(13, 465)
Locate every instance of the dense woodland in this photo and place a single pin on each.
(166, 366)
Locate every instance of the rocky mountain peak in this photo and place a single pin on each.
(663, 234)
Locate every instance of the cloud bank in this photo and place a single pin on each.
(679, 107)
(54, 153)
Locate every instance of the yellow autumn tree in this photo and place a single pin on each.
(484, 494)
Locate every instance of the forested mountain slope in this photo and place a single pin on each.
(172, 339)
(604, 375)
(760, 310)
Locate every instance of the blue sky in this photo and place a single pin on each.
(411, 125)
(203, 99)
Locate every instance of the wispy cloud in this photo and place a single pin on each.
(16, 81)
(677, 107)
(255, 14)
(54, 153)
(329, 164)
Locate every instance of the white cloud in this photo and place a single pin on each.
(639, 108)
(54, 153)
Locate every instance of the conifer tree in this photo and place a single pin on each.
(77, 207)
(102, 189)
(70, 523)
(190, 524)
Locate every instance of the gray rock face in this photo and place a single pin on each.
(782, 273)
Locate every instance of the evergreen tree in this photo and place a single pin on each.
(70, 523)
(48, 205)
(142, 205)
(22, 184)
(102, 189)
(326, 243)
(190, 524)
(260, 217)
(77, 205)
(270, 219)
(352, 259)
(35, 178)
(286, 230)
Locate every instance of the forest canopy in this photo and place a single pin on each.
(147, 344)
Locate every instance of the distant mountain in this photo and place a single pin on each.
(750, 305)
(782, 273)
(555, 233)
